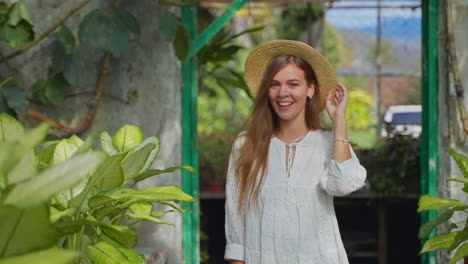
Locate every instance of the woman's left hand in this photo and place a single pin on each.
(337, 111)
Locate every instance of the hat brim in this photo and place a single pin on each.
(260, 57)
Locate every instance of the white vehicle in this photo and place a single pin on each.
(402, 120)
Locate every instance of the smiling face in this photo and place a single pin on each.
(288, 93)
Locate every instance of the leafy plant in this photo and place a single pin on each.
(64, 193)
(457, 235)
(393, 165)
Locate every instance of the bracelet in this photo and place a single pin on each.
(345, 141)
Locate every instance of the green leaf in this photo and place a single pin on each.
(25, 169)
(73, 68)
(128, 20)
(428, 202)
(48, 256)
(17, 35)
(65, 36)
(142, 208)
(106, 144)
(148, 218)
(25, 230)
(426, 229)
(106, 253)
(461, 160)
(127, 138)
(164, 193)
(64, 151)
(53, 180)
(461, 253)
(439, 242)
(16, 98)
(462, 180)
(19, 12)
(10, 128)
(100, 29)
(460, 238)
(107, 176)
(55, 89)
(167, 25)
(124, 235)
(60, 214)
(23, 144)
(150, 173)
(135, 161)
(46, 155)
(154, 153)
(180, 43)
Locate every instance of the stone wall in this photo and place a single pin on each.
(451, 133)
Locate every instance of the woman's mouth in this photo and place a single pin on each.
(284, 105)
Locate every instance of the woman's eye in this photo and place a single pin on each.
(294, 84)
(274, 85)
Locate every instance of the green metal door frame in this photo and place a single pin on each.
(429, 138)
(191, 221)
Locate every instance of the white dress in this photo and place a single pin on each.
(295, 221)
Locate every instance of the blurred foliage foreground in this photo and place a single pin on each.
(454, 240)
(65, 202)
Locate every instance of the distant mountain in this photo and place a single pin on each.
(396, 28)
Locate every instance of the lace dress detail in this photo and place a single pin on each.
(294, 221)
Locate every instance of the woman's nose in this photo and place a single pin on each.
(283, 90)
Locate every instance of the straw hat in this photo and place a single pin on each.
(259, 58)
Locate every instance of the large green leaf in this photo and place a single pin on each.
(23, 144)
(10, 128)
(108, 175)
(439, 242)
(142, 208)
(65, 36)
(149, 218)
(109, 254)
(135, 161)
(53, 180)
(25, 230)
(101, 29)
(17, 13)
(46, 155)
(25, 169)
(127, 19)
(461, 253)
(16, 35)
(16, 98)
(124, 235)
(106, 144)
(48, 256)
(64, 151)
(460, 238)
(127, 138)
(73, 67)
(154, 153)
(428, 202)
(150, 173)
(54, 91)
(426, 229)
(164, 193)
(461, 160)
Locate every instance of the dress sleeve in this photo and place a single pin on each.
(234, 221)
(340, 179)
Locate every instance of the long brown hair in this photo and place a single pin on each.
(262, 123)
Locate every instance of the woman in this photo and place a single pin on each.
(285, 169)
